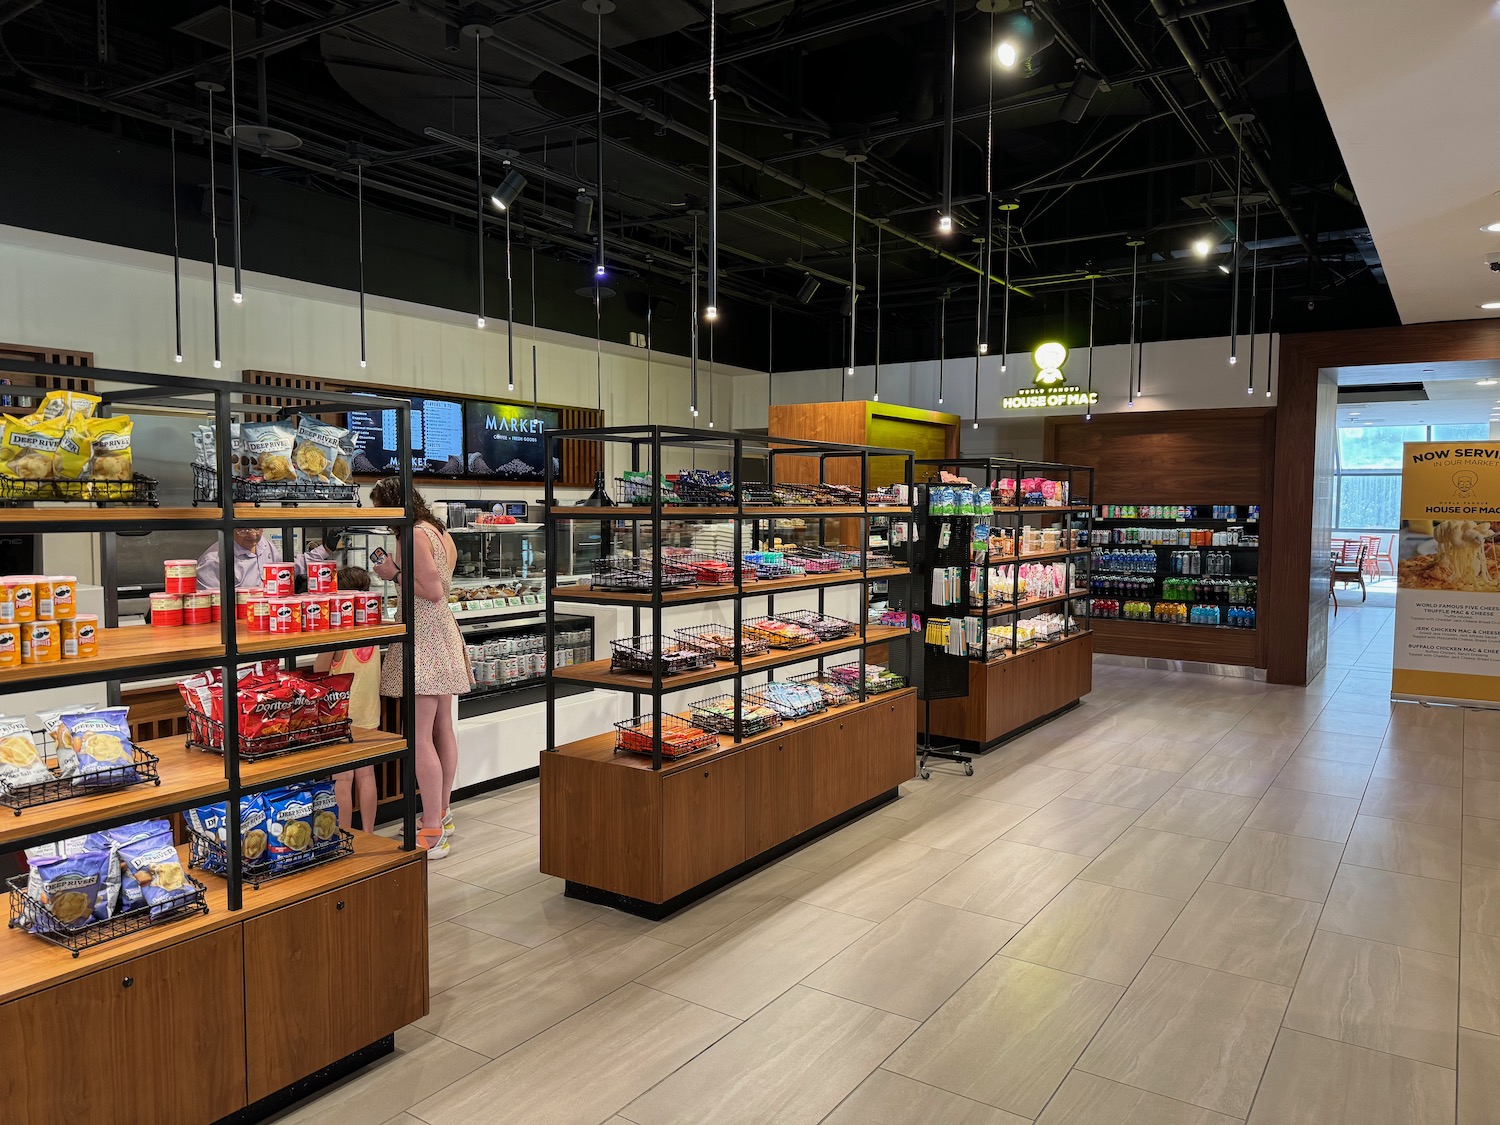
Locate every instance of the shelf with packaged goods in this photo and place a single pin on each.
(32, 964)
(1041, 646)
(141, 651)
(1043, 510)
(1032, 603)
(189, 777)
(597, 673)
(134, 519)
(641, 512)
(761, 588)
(1038, 556)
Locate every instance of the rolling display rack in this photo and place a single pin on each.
(658, 812)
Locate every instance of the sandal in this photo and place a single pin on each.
(433, 842)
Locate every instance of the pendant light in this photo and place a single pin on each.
(211, 87)
(1234, 262)
(853, 255)
(650, 312)
(598, 341)
(945, 218)
(979, 329)
(479, 32)
(361, 161)
(710, 375)
(942, 339)
(1088, 410)
(599, 9)
(176, 248)
(1254, 287)
(1135, 245)
(234, 157)
(711, 312)
(770, 360)
(989, 213)
(510, 312)
(533, 332)
(1270, 329)
(693, 357)
(879, 249)
(1007, 206)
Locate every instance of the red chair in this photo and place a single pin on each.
(1384, 548)
(1371, 546)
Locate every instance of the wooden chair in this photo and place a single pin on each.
(1347, 569)
(1383, 554)
(1371, 545)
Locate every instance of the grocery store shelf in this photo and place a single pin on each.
(275, 515)
(1041, 647)
(597, 673)
(749, 512)
(1033, 603)
(80, 517)
(1037, 556)
(1041, 509)
(762, 588)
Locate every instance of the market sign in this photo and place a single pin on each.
(1050, 386)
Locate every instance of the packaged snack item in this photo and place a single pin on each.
(315, 613)
(366, 609)
(64, 596)
(197, 609)
(285, 615)
(278, 579)
(97, 741)
(333, 699)
(43, 587)
(123, 894)
(212, 821)
(71, 887)
(20, 761)
(40, 642)
(239, 461)
(7, 600)
(153, 864)
(266, 712)
(268, 450)
(325, 822)
(10, 646)
(257, 612)
(22, 589)
(343, 465)
(341, 611)
(290, 816)
(74, 452)
(318, 450)
(166, 611)
(28, 447)
(70, 406)
(112, 460)
(322, 577)
(181, 576)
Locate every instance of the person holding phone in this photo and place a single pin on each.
(440, 661)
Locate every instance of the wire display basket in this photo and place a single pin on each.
(826, 628)
(646, 653)
(702, 489)
(636, 572)
(140, 770)
(207, 733)
(679, 737)
(244, 491)
(138, 490)
(789, 698)
(780, 634)
(876, 678)
(756, 494)
(644, 492)
(716, 713)
(30, 913)
(820, 560)
(890, 494)
(718, 641)
(879, 560)
(209, 854)
(708, 569)
(834, 693)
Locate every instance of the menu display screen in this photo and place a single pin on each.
(505, 441)
(437, 438)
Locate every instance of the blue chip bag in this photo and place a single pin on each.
(153, 864)
(289, 813)
(69, 886)
(97, 742)
(124, 894)
(212, 822)
(326, 836)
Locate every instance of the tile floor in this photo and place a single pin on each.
(1191, 901)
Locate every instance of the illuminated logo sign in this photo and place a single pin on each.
(1049, 360)
(1050, 387)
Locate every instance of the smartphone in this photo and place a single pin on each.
(378, 556)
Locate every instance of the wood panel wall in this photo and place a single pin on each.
(29, 354)
(928, 433)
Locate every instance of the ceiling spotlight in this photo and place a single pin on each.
(848, 373)
(809, 289)
(1022, 38)
(179, 358)
(711, 313)
(1005, 54)
(479, 322)
(984, 349)
(1491, 228)
(599, 270)
(239, 298)
(945, 224)
(1084, 87)
(218, 363)
(510, 187)
(1201, 247)
(1491, 305)
(583, 213)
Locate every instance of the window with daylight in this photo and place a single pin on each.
(1368, 497)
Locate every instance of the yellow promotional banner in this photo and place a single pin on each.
(1448, 574)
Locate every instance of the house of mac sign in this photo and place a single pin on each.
(1049, 388)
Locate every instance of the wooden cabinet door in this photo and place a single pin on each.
(333, 974)
(703, 823)
(778, 793)
(837, 750)
(893, 747)
(159, 1038)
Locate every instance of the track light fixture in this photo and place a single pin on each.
(1085, 85)
(510, 188)
(234, 160)
(211, 87)
(808, 289)
(176, 249)
(1022, 37)
(583, 213)
(1201, 247)
(945, 224)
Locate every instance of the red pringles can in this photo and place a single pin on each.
(322, 577)
(285, 615)
(366, 610)
(315, 613)
(279, 579)
(341, 610)
(257, 612)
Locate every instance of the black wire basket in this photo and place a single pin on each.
(243, 491)
(718, 641)
(644, 654)
(780, 634)
(207, 733)
(138, 490)
(827, 628)
(834, 693)
(644, 491)
(790, 699)
(679, 737)
(716, 713)
(208, 854)
(635, 572)
(140, 770)
(708, 569)
(849, 675)
(28, 913)
(699, 489)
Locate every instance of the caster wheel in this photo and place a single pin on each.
(926, 775)
(969, 768)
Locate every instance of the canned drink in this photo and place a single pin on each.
(181, 576)
(166, 611)
(197, 609)
(285, 615)
(64, 592)
(314, 613)
(39, 642)
(87, 634)
(10, 645)
(22, 596)
(322, 577)
(278, 579)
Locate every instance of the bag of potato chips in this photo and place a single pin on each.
(112, 460)
(212, 822)
(290, 832)
(318, 451)
(21, 763)
(70, 406)
(326, 836)
(268, 450)
(71, 462)
(71, 887)
(97, 742)
(153, 864)
(28, 448)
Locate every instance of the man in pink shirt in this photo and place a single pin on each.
(252, 552)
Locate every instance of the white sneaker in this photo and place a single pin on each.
(448, 828)
(438, 849)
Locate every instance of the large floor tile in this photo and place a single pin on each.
(1411, 800)
(1481, 798)
(1198, 812)
(748, 964)
(1481, 900)
(1478, 1077)
(1482, 728)
(1483, 765)
(1087, 1099)
(1007, 880)
(448, 898)
(828, 850)
(1096, 931)
(508, 868)
(1158, 863)
(1030, 785)
(507, 1005)
(709, 915)
(1279, 864)
(1153, 752)
(1192, 1034)
(520, 816)
(914, 960)
(1316, 1081)
(1249, 746)
(1369, 722)
(1422, 766)
(421, 1065)
(1080, 827)
(1317, 816)
(1121, 726)
(1338, 747)
(1130, 786)
(455, 953)
(1248, 933)
(1481, 841)
(1405, 846)
(877, 880)
(1323, 775)
(1009, 1036)
(532, 916)
(794, 1062)
(1386, 997)
(1400, 909)
(1244, 777)
(1277, 721)
(624, 1043)
(1479, 983)
(893, 1099)
(963, 824)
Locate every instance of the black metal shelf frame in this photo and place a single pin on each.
(1076, 515)
(221, 401)
(647, 444)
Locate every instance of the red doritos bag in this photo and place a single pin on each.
(336, 687)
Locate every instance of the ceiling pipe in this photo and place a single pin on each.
(1204, 8)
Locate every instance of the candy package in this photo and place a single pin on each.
(318, 451)
(268, 450)
(71, 887)
(153, 864)
(96, 741)
(21, 762)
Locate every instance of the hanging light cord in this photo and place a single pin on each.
(1088, 410)
(942, 341)
(1270, 328)
(770, 360)
(1135, 257)
(1236, 247)
(713, 177)
(1005, 311)
(234, 154)
(1254, 293)
(599, 126)
(510, 311)
(989, 192)
(693, 358)
(978, 336)
(479, 178)
(359, 191)
(853, 258)
(533, 329)
(213, 219)
(176, 248)
(710, 375)
(879, 249)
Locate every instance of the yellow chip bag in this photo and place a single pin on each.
(112, 458)
(72, 459)
(28, 448)
(71, 406)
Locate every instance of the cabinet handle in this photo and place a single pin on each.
(705, 773)
(339, 905)
(127, 982)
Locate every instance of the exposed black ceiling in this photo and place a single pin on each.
(803, 85)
